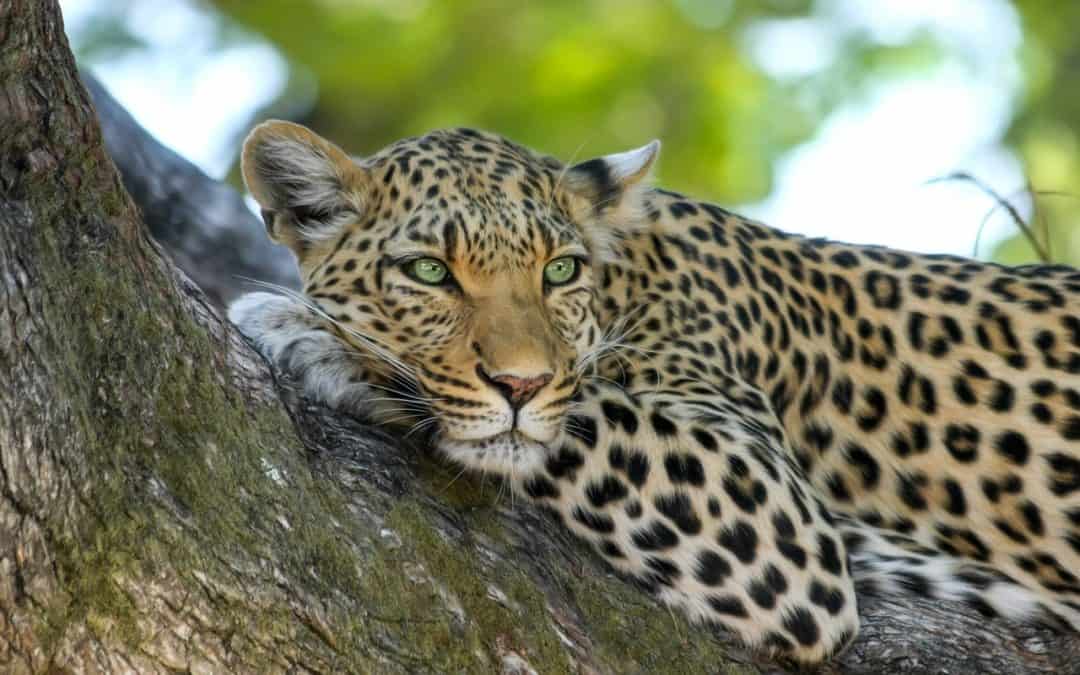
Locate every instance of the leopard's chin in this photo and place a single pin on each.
(510, 453)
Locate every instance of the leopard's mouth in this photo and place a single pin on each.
(511, 453)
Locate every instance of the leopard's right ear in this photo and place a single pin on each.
(308, 187)
(609, 193)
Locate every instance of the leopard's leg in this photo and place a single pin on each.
(695, 497)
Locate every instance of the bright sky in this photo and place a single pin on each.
(863, 178)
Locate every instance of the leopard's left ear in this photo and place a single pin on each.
(609, 191)
(306, 186)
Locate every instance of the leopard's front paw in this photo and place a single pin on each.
(298, 342)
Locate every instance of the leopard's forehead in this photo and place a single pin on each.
(476, 198)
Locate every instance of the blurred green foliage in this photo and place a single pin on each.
(1046, 130)
(578, 78)
(574, 78)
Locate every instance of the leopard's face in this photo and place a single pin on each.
(489, 308)
(461, 270)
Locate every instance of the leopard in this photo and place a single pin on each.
(756, 427)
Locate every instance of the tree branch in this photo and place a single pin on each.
(202, 223)
(166, 505)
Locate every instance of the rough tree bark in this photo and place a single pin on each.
(166, 505)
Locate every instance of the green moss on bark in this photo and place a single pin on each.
(472, 611)
(157, 417)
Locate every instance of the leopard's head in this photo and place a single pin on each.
(460, 268)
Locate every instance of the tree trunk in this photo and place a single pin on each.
(166, 505)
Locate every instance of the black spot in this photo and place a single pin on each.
(597, 522)
(679, 510)
(564, 463)
(1043, 388)
(845, 259)
(1070, 428)
(842, 394)
(1033, 518)
(957, 503)
(800, 623)
(655, 537)
(1073, 540)
(728, 605)
(1014, 447)
(872, 418)
(741, 540)
(884, 289)
(603, 492)
(711, 569)
(539, 487)
(909, 492)
(617, 457)
(866, 465)
(785, 529)
(1065, 478)
(1011, 532)
(714, 507)
(731, 275)
(1041, 412)
(920, 436)
(962, 442)
(633, 509)
(637, 469)
(662, 425)
(954, 295)
(619, 415)
(761, 595)
(818, 436)
(774, 578)
(916, 326)
(583, 428)
(611, 549)
(680, 210)
(964, 393)
(666, 569)
(838, 487)
(829, 555)
(1001, 400)
(705, 439)
(829, 598)
(684, 468)
(739, 467)
(735, 491)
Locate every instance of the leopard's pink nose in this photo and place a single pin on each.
(516, 390)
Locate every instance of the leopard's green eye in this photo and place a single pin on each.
(561, 271)
(428, 271)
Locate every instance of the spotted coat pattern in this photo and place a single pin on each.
(750, 424)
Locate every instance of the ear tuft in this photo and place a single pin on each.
(612, 188)
(303, 183)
